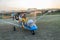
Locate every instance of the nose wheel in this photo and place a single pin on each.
(33, 32)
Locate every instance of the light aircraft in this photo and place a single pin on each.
(31, 26)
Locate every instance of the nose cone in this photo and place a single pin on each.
(34, 27)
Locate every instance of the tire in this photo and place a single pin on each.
(14, 29)
(33, 32)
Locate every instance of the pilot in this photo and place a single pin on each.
(24, 20)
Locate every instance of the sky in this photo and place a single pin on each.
(25, 4)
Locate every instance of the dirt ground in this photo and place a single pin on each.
(48, 29)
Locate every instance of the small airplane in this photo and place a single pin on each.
(31, 26)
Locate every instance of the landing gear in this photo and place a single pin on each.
(14, 29)
(33, 32)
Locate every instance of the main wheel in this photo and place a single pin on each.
(14, 29)
(33, 32)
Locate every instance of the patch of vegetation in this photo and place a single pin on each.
(54, 13)
(39, 14)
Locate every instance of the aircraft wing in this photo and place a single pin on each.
(9, 21)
